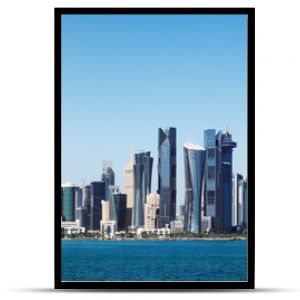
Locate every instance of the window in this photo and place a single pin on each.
(211, 197)
(210, 153)
(210, 172)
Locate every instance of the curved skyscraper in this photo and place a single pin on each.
(167, 175)
(142, 185)
(194, 163)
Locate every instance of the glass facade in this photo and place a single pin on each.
(68, 202)
(78, 202)
(237, 200)
(97, 194)
(167, 175)
(210, 174)
(120, 211)
(142, 185)
(194, 163)
(108, 177)
(86, 202)
(224, 145)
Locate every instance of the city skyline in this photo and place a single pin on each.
(121, 74)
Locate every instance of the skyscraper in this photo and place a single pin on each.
(210, 186)
(120, 208)
(142, 185)
(78, 202)
(108, 177)
(97, 195)
(68, 202)
(218, 179)
(86, 203)
(113, 189)
(245, 203)
(194, 163)
(237, 200)
(224, 145)
(167, 175)
(129, 190)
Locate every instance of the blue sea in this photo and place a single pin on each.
(93, 260)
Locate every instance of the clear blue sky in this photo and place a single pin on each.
(124, 76)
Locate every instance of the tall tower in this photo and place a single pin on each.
(210, 186)
(142, 185)
(108, 177)
(237, 200)
(97, 195)
(224, 145)
(194, 163)
(129, 190)
(167, 175)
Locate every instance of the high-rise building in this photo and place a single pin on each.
(108, 177)
(113, 189)
(78, 202)
(245, 203)
(218, 179)
(167, 175)
(120, 211)
(129, 190)
(86, 203)
(142, 185)
(194, 163)
(97, 195)
(237, 200)
(151, 212)
(224, 145)
(68, 202)
(210, 186)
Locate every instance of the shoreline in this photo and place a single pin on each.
(231, 238)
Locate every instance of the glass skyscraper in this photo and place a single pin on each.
(97, 194)
(142, 185)
(68, 202)
(210, 188)
(218, 179)
(194, 163)
(224, 146)
(120, 210)
(167, 175)
(108, 177)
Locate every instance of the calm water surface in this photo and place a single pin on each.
(154, 260)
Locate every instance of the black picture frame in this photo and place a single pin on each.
(152, 286)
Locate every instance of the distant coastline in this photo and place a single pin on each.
(220, 238)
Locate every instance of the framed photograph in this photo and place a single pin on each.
(154, 148)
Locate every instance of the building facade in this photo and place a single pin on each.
(151, 212)
(120, 202)
(68, 202)
(237, 200)
(167, 175)
(108, 177)
(224, 145)
(129, 190)
(142, 185)
(86, 204)
(210, 183)
(97, 195)
(194, 163)
(113, 189)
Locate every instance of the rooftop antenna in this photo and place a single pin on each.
(82, 180)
